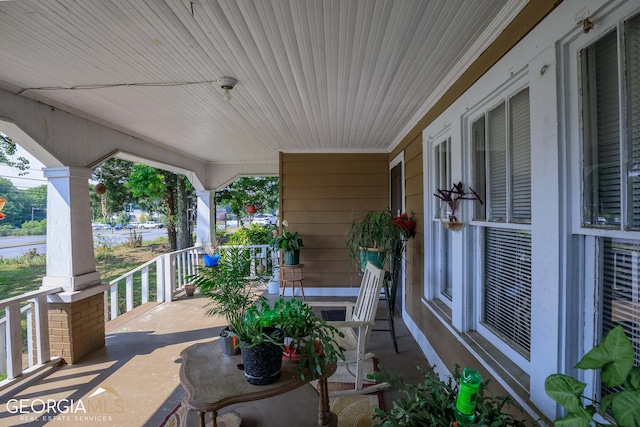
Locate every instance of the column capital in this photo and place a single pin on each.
(67, 172)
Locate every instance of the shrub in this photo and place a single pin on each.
(252, 235)
(433, 402)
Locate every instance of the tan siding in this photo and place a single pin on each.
(320, 195)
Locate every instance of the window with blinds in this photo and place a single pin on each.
(507, 286)
(621, 288)
(442, 243)
(611, 173)
(501, 149)
(632, 54)
(610, 79)
(501, 142)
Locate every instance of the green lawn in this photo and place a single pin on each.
(24, 274)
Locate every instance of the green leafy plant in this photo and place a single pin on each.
(615, 355)
(229, 286)
(287, 241)
(373, 230)
(432, 403)
(308, 335)
(256, 327)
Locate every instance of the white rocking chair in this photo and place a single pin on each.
(357, 326)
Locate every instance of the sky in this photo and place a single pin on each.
(34, 178)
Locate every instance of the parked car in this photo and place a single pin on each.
(117, 227)
(151, 224)
(264, 219)
(133, 225)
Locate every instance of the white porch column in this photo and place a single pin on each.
(206, 217)
(70, 260)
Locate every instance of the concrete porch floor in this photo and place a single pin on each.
(133, 380)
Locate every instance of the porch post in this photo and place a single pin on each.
(76, 315)
(70, 260)
(206, 217)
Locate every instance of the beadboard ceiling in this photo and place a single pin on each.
(313, 75)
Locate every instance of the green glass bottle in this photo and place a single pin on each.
(470, 380)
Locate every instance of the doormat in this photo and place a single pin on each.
(333, 315)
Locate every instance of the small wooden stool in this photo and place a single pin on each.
(292, 274)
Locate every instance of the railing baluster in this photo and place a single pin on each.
(160, 279)
(144, 284)
(3, 345)
(114, 300)
(42, 329)
(14, 340)
(129, 292)
(30, 333)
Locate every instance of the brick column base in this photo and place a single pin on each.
(77, 328)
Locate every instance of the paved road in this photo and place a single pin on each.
(13, 247)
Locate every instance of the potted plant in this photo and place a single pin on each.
(261, 344)
(290, 243)
(450, 215)
(211, 256)
(371, 236)
(615, 356)
(308, 339)
(229, 288)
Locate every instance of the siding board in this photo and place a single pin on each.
(320, 196)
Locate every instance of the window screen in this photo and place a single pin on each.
(507, 286)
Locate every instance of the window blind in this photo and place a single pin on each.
(632, 55)
(602, 138)
(479, 167)
(497, 173)
(621, 284)
(507, 286)
(520, 157)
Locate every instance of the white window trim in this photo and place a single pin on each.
(608, 18)
(432, 289)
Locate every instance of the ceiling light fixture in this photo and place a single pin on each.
(227, 83)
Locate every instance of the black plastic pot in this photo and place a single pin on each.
(262, 362)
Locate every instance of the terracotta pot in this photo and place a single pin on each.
(251, 209)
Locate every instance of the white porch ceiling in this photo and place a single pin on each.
(313, 76)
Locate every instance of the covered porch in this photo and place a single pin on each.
(133, 380)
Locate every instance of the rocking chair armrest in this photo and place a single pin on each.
(349, 323)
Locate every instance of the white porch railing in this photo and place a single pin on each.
(33, 306)
(169, 273)
(160, 279)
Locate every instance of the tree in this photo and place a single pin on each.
(146, 181)
(113, 174)
(260, 191)
(8, 149)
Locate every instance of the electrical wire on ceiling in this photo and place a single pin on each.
(112, 85)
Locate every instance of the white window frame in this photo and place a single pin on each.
(433, 229)
(609, 18)
(518, 82)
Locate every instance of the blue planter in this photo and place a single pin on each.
(292, 257)
(376, 256)
(211, 260)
